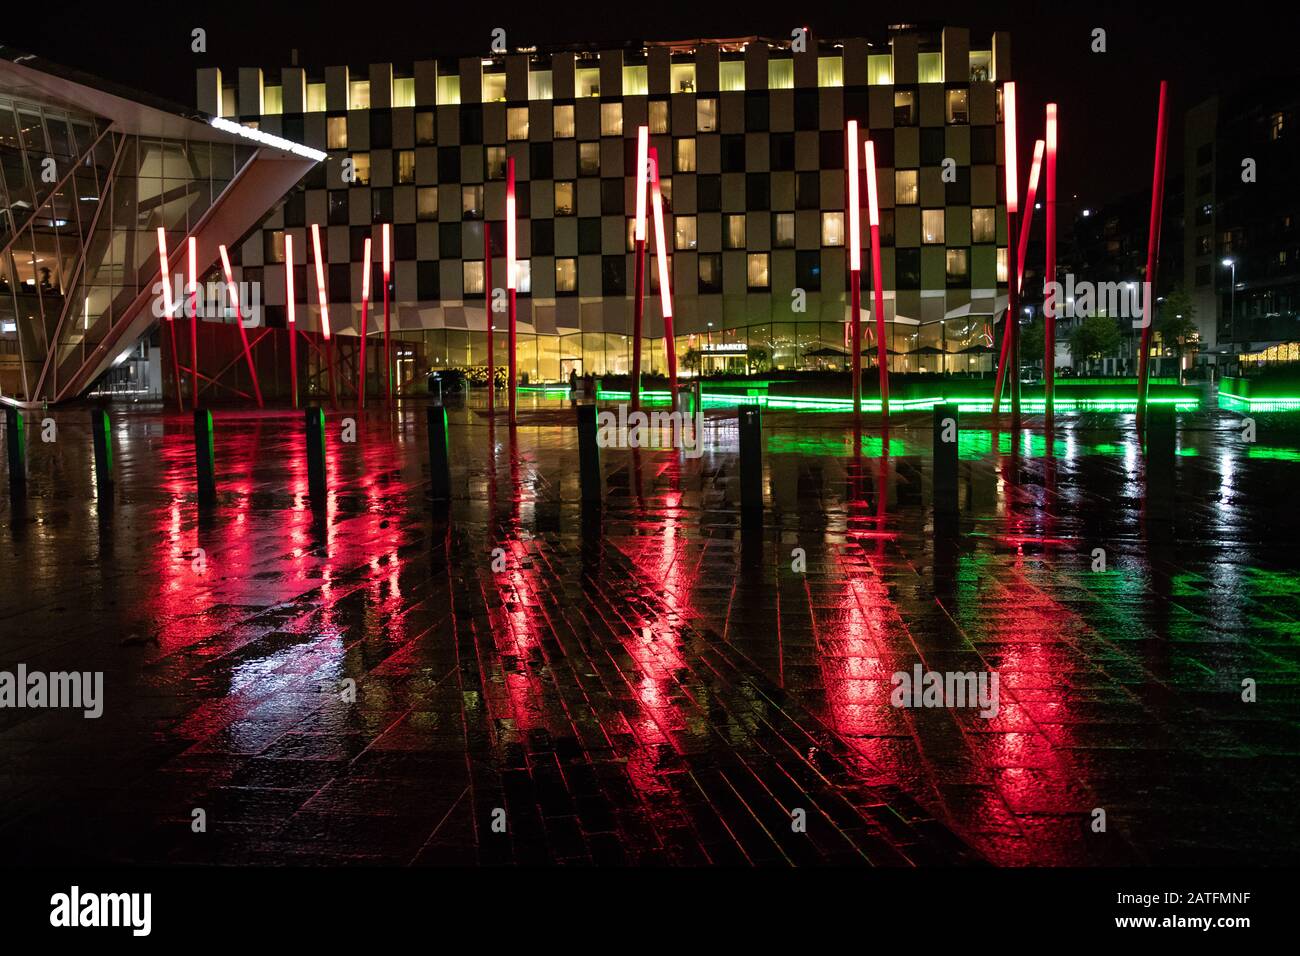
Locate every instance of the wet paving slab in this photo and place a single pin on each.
(517, 679)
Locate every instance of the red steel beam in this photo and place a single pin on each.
(1153, 252)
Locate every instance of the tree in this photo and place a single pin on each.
(1095, 337)
(1032, 342)
(1177, 324)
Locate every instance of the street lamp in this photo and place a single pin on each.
(1232, 295)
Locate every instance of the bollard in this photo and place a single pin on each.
(1161, 435)
(751, 459)
(439, 454)
(205, 460)
(315, 430)
(102, 434)
(946, 426)
(16, 445)
(590, 477)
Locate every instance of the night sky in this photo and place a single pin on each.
(1107, 101)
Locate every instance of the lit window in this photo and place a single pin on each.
(636, 81)
(424, 129)
(981, 66)
(631, 233)
(957, 265)
(494, 162)
(731, 76)
(684, 232)
(780, 74)
(405, 166)
(494, 87)
(983, 225)
(523, 276)
(706, 115)
(830, 71)
(929, 67)
(403, 92)
(588, 159)
(587, 81)
(611, 119)
(566, 275)
(336, 132)
(540, 85)
(273, 246)
(932, 226)
(360, 168)
(359, 95)
(472, 273)
(958, 110)
(564, 122)
(449, 89)
(471, 202)
(1276, 124)
(564, 198)
(783, 230)
(733, 232)
(880, 69)
(684, 160)
(758, 270)
(904, 108)
(273, 100)
(905, 187)
(682, 78)
(832, 229)
(658, 117)
(315, 97)
(426, 203)
(1002, 264)
(517, 122)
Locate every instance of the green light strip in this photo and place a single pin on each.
(1279, 403)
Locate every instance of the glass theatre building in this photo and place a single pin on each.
(750, 135)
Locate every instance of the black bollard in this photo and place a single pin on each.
(1161, 434)
(101, 433)
(946, 426)
(751, 460)
(205, 461)
(315, 429)
(439, 454)
(16, 445)
(590, 477)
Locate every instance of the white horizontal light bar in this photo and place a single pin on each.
(266, 139)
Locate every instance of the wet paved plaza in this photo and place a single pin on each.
(656, 683)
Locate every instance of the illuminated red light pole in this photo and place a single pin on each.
(292, 322)
(1010, 358)
(854, 224)
(169, 308)
(192, 295)
(239, 321)
(638, 268)
(386, 236)
(323, 299)
(487, 311)
(665, 281)
(365, 320)
(1153, 253)
(511, 277)
(877, 284)
(1049, 273)
(1031, 194)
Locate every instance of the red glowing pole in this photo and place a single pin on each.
(386, 233)
(665, 280)
(877, 285)
(854, 225)
(292, 318)
(323, 298)
(1153, 253)
(1009, 361)
(1049, 275)
(169, 308)
(365, 320)
(192, 294)
(1027, 217)
(239, 320)
(638, 271)
(511, 277)
(487, 311)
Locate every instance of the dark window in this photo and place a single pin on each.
(733, 153)
(338, 207)
(275, 316)
(543, 243)
(449, 164)
(424, 128)
(855, 105)
(381, 205)
(295, 208)
(907, 268)
(613, 275)
(1204, 184)
(808, 270)
(381, 129)
(357, 243)
(449, 240)
(758, 191)
(611, 197)
(831, 149)
(294, 127)
(807, 190)
(540, 161)
(1204, 153)
(315, 178)
(932, 148)
(426, 274)
(1202, 275)
(886, 227)
(756, 112)
(471, 125)
(957, 192)
(589, 236)
(340, 280)
(404, 242)
(781, 152)
(806, 110)
(884, 140)
(710, 267)
(708, 193)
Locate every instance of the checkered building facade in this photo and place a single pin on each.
(750, 138)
